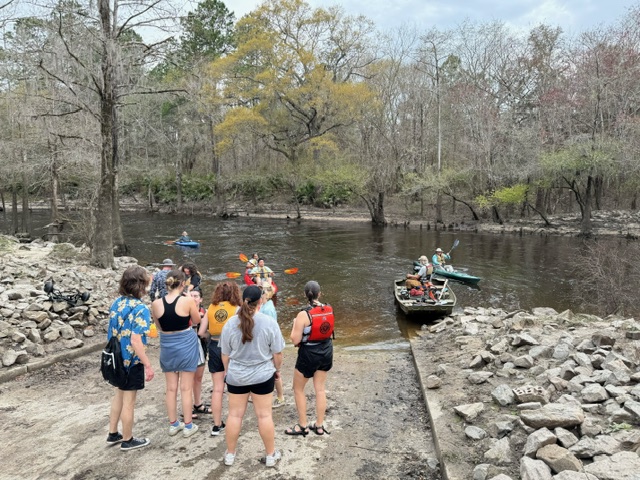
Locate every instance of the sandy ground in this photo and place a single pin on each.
(55, 426)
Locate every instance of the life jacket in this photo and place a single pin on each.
(218, 314)
(322, 323)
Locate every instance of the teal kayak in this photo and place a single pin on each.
(456, 275)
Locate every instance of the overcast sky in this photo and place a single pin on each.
(572, 15)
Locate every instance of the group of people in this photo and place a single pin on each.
(240, 336)
(425, 269)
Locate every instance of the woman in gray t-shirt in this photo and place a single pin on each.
(251, 345)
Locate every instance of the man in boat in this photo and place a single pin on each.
(184, 237)
(422, 276)
(440, 258)
(261, 274)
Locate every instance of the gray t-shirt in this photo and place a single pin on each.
(251, 363)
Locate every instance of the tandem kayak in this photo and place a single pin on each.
(456, 275)
(425, 305)
(191, 244)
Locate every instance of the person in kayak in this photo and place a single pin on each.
(262, 274)
(440, 258)
(251, 264)
(184, 237)
(420, 278)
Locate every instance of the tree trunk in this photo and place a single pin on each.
(120, 248)
(376, 208)
(26, 214)
(179, 183)
(439, 207)
(55, 225)
(14, 210)
(599, 191)
(102, 241)
(585, 225)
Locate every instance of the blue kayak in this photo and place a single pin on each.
(191, 244)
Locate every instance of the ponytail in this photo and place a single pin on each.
(247, 310)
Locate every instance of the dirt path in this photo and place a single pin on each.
(55, 425)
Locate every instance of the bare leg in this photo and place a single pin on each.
(116, 410)
(171, 395)
(197, 386)
(237, 407)
(216, 397)
(128, 402)
(279, 389)
(299, 383)
(186, 388)
(262, 407)
(319, 380)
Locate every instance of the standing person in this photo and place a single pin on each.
(311, 333)
(261, 274)
(129, 319)
(158, 286)
(174, 314)
(225, 301)
(198, 405)
(251, 345)
(268, 308)
(440, 258)
(192, 276)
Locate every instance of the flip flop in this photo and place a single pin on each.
(319, 429)
(304, 431)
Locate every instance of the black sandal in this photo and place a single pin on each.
(319, 429)
(200, 409)
(304, 431)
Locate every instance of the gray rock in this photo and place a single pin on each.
(431, 382)
(523, 339)
(589, 447)
(591, 426)
(534, 469)
(475, 433)
(52, 335)
(481, 472)
(620, 466)
(500, 453)
(603, 339)
(633, 408)
(478, 378)
(562, 351)
(543, 351)
(73, 343)
(18, 337)
(559, 459)
(544, 312)
(628, 440)
(621, 416)
(501, 476)
(525, 361)
(14, 294)
(469, 411)
(565, 437)
(37, 317)
(503, 395)
(529, 406)
(569, 475)
(594, 393)
(476, 362)
(583, 359)
(553, 415)
(537, 440)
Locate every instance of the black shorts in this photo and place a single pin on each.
(135, 380)
(263, 388)
(215, 357)
(312, 358)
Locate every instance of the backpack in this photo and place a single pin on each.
(112, 364)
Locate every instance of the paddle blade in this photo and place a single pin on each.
(243, 258)
(169, 242)
(232, 274)
(291, 271)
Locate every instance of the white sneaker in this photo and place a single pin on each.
(277, 403)
(229, 458)
(173, 430)
(271, 460)
(187, 432)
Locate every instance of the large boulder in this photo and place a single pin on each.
(620, 466)
(553, 415)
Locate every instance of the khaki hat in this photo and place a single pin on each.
(439, 250)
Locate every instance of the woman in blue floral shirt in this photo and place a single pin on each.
(129, 319)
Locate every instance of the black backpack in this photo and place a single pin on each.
(112, 364)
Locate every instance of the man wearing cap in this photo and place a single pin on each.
(159, 285)
(440, 258)
(422, 276)
(251, 264)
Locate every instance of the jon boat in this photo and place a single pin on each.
(424, 305)
(456, 275)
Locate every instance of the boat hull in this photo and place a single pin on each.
(423, 306)
(457, 276)
(188, 244)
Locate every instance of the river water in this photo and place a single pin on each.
(356, 264)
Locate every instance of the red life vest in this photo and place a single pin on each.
(322, 323)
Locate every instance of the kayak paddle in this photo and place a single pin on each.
(288, 271)
(455, 244)
(243, 258)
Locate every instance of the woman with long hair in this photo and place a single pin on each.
(251, 345)
(129, 319)
(311, 333)
(174, 315)
(225, 301)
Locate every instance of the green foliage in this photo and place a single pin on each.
(208, 31)
(511, 195)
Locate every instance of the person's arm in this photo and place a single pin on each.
(434, 260)
(298, 326)
(277, 362)
(193, 310)
(204, 326)
(225, 363)
(138, 348)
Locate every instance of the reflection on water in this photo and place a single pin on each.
(356, 264)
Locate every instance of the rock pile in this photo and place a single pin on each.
(549, 396)
(33, 324)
